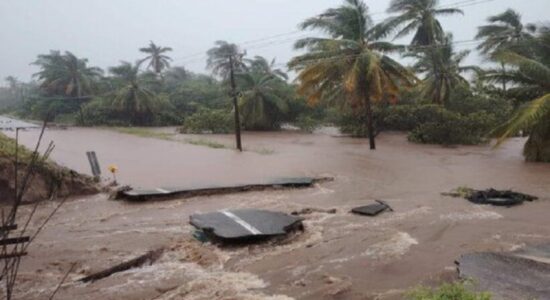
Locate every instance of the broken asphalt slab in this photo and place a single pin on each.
(245, 224)
(200, 190)
(372, 209)
(507, 275)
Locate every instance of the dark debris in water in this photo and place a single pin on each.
(499, 198)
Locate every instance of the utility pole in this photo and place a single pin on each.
(235, 105)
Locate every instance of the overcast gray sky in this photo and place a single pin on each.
(108, 31)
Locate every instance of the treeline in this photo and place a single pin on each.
(151, 92)
(346, 76)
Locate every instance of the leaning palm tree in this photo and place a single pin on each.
(530, 76)
(349, 63)
(418, 16)
(131, 96)
(504, 31)
(443, 70)
(263, 100)
(158, 60)
(68, 76)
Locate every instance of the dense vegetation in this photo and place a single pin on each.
(348, 75)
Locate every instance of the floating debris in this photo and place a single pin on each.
(245, 225)
(499, 198)
(372, 209)
(311, 210)
(149, 257)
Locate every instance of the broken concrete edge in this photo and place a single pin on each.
(127, 193)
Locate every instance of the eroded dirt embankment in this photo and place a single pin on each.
(47, 177)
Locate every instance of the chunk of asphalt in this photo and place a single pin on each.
(506, 275)
(214, 189)
(245, 224)
(372, 209)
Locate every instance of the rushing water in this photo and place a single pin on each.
(338, 255)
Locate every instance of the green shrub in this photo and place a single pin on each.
(208, 121)
(454, 129)
(307, 123)
(354, 123)
(100, 112)
(408, 117)
(454, 291)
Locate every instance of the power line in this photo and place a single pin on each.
(203, 54)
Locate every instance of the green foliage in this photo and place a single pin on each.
(408, 117)
(537, 148)
(197, 91)
(307, 123)
(7, 148)
(206, 143)
(100, 111)
(144, 132)
(453, 291)
(265, 95)
(454, 128)
(208, 121)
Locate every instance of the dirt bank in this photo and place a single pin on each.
(48, 177)
(339, 256)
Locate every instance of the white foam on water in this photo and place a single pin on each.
(397, 245)
(472, 215)
(223, 285)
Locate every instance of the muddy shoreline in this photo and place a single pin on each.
(339, 256)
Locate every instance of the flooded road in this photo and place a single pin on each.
(338, 256)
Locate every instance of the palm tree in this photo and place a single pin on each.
(530, 76)
(349, 62)
(504, 30)
(219, 59)
(443, 69)
(157, 58)
(131, 96)
(67, 75)
(260, 65)
(263, 100)
(419, 16)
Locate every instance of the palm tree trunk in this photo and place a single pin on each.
(504, 88)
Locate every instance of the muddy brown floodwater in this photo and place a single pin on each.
(338, 256)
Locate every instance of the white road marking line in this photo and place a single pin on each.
(242, 222)
(161, 190)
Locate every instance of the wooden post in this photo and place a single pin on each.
(235, 105)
